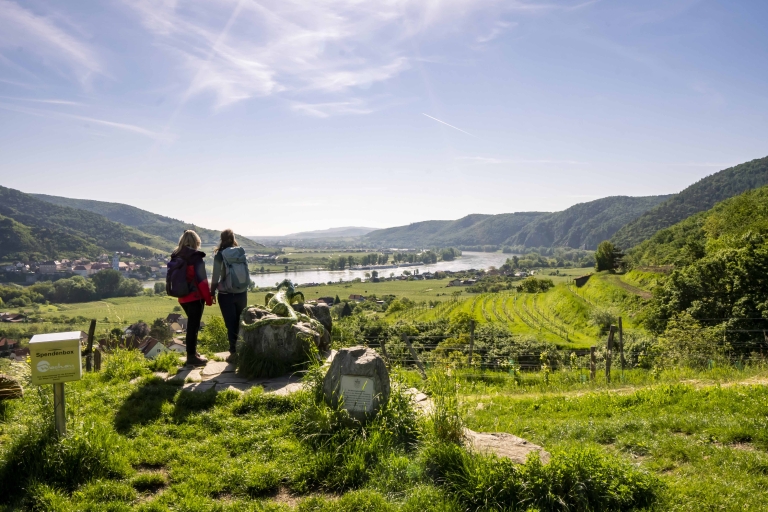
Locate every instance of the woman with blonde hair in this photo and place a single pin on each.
(230, 279)
(187, 281)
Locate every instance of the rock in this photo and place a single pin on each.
(277, 348)
(361, 377)
(504, 445)
(187, 374)
(214, 368)
(321, 313)
(10, 388)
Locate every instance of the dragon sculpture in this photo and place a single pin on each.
(279, 309)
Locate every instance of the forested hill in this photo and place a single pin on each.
(148, 222)
(727, 224)
(582, 225)
(35, 229)
(473, 229)
(700, 196)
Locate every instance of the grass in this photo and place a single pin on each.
(706, 440)
(149, 445)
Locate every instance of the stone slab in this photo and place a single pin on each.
(200, 387)
(230, 378)
(187, 374)
(502, 444)
(214, 368)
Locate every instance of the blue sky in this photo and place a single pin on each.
(277, 116)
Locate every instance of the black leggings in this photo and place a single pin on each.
(194, 311)
(232, 305)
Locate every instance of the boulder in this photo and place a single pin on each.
(358, 378)
(10, 388)
(276, 348)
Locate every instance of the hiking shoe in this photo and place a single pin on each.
(196, 360)
(232, 358)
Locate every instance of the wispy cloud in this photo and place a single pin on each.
(239, 49)
(41, 36)
(132, 128)
(332, 108)
(499, 28)
(46, 101)
(446, 124)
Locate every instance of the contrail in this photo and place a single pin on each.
(446, 124)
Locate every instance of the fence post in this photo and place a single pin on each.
(384, 350)
(621, 344)
(471, 340)
(97, 360)
(592, 363)
(89, 350)
(59, 408)
(609, 354)
(407, 340)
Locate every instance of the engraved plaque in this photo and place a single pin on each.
(357, 393)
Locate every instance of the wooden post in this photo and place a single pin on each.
(89, 350)
(621, 344)
(471, 340)
(592, 363)
(59, 411)
(609, 354)
(97, 360)
(415, 356)
(384, 350)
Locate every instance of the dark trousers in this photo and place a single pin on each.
(194, 311)
(232, 305)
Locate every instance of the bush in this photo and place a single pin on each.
(535, 285)
(214, 336)
(124, 365)
(167, 362)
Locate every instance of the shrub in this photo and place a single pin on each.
(167, 362)
(124, 365)
(214, 336)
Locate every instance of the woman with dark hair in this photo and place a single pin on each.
(230, 279)
(199, 296)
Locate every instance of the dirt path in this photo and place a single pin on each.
(644, 294)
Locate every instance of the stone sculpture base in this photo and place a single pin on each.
(276, 348)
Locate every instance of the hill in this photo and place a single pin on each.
(705, 233)
(700, 196)
(475, 229)
(343, 232)
(582, 225)
(147, 222)
(31, 228)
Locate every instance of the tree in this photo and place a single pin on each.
(107, 282)
(159, 288)
(608, 257)
(160, 331)
(346, 310)
(139, 330)
(336, 300)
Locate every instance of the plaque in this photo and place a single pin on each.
(357, 393)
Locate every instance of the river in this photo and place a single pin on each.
(468, 260)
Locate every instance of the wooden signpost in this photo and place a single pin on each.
(56, 359)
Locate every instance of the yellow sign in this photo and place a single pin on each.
(55, 357)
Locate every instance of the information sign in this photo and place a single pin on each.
(55, 357)
(357, 393)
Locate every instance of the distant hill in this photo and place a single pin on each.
(344, 232)
(31, 228)
(148, 222)
(582, 225)
(707, 232)
(700, 196)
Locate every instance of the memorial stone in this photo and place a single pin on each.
(357, 380)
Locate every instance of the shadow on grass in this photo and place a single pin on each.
(146, 404)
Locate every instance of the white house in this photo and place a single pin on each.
(175, 346)
(151, 348)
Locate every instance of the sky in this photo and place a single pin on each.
(278, 116)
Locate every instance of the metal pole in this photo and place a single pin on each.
(59, 412)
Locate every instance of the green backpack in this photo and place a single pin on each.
(236, 276)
